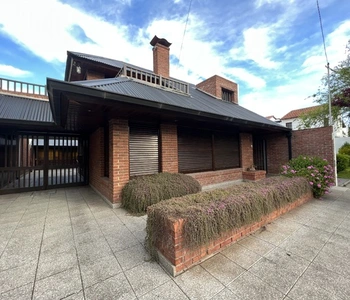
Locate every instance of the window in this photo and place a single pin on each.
(289, 125)
(227, 95)
(202, 150)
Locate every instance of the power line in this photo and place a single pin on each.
(324, 43)
(183, 36)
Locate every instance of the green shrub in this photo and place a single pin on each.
(345, 149)
(208, 215)
(143, 191)
(343, 162)
(316, 170)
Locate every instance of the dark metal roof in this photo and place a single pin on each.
(103, 60)
(17, 108)
(197, 101)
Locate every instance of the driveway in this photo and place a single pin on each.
(69, 244)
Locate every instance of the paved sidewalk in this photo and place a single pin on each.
(68, 244)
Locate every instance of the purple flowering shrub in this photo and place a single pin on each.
(316, 170)
(207, 215)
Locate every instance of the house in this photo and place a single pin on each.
(292, 120)
(273, 118)
(127, 121)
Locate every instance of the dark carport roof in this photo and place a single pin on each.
(129, 90)
(25, 110)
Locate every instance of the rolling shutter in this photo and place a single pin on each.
(194, 150)
(143, 147)
(226, 151)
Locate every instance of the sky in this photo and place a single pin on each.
(273, 49)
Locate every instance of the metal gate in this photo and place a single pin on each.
(259, 153)
(34, 161)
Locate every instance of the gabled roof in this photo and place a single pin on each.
(296, 113)
(196, 103)
(21, 109)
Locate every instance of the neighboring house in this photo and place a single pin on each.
(130, 121)
(273, 119)
(292, 120)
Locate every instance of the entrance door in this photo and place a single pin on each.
(259, 153)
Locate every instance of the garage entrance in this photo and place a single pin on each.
(35, 161)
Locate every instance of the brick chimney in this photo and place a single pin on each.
(220, 88)
(160, 56)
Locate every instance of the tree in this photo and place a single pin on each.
(339, 82)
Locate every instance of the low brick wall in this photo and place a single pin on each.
(176, 258)
(212, 177)
(254, 175)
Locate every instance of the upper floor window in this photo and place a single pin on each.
(289, 125)
(226, 95)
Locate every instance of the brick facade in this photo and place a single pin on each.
(246, 150)
(277, 153)
(169, 150)
(314, 142)
(91, 75)
(213, 177)
(215, 84)
(161, 60)
(118, 156)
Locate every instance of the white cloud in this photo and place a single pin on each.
(241, 74)
(7, 70)
(258, 47)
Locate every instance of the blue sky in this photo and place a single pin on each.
(271, 48)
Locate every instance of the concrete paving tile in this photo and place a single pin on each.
(98, 270)
(59, 285)
(250, 287)
(167, 291)
(197, 283)
(338, 246)
(300, 249)
(140, 235)
(226, 294)
(89, 237)
(131, 257)
(324, 225)
(270, 235)
(13, 260)
(17, 277)
(88, 252)
(53, 264)
(86, 227)
(20, 293)
(222, 268)
(333, 263)
(312, 237)
(146, 277)
(116, 287)
(319, 283)
(241, 255)
(280, 269)
(56, 244)
(121, 240)
(75, 296)
(256, 245)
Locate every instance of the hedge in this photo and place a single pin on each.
(207, 215)
(143, 191)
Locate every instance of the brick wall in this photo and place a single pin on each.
(213, 177)
(277, 152)
(96, 164)
(176, 258)
(214, 85)
(118, 156)
(246, 150)
(90, 75)
(314, 142)
(161, 60)
(169, 150)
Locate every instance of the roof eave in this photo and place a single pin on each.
(56, 87)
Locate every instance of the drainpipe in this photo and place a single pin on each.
(289, 137)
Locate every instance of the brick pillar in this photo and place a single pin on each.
(118, 156)
(169, 155)
(246, 150)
